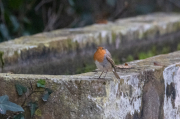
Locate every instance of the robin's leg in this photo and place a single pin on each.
(101, 74)
(105, 74)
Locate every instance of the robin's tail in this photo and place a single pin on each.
(117, 76)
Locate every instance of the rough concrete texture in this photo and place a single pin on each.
(68, 51)
(149, 90)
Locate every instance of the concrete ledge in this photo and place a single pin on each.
(46, 51)
(147, 91)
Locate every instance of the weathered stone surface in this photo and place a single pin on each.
(149, 90)
(72, 49)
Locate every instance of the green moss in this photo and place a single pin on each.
(129, 58)
(166, 49)
(146, 34)
(38, 112)
(89, 68)
(116, 60)
(72, 45)
(144, 55)
(150, 54)
(86, 68)
(154, 50)
(113, 37)
(16, 53)
(176, 26)
(1, 59)
(178, 47)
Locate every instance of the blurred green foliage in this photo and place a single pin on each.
(153, 51)
(143, 55)
(178, 47)
(129, 58)
(18, 18)
(26, 17)
(86, 68)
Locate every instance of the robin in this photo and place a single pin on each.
(104, 62)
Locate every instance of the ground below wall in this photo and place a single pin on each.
(149, 90)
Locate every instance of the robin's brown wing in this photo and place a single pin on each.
(109, 58)
(111, 61)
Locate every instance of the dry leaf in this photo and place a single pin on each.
(126, 64)
(102, 21)
(157, 64)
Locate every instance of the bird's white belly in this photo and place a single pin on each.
(104, 66)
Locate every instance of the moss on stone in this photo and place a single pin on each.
(86, 68)
(16, 53)
(129, 58)
(71, 45)
(154, 50)
(175, 26)
(38, 112)
(116, 60)
(143, 55)
(1, 59)
(178, 46)
(113, 35)
(148, 33)
(166, 49)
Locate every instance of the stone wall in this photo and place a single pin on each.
(148, 90)
(70, 51)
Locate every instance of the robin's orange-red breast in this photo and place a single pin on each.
(104, 62)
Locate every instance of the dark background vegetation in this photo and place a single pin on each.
(26, 17)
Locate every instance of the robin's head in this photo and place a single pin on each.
(99, 54)
(100, 48)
